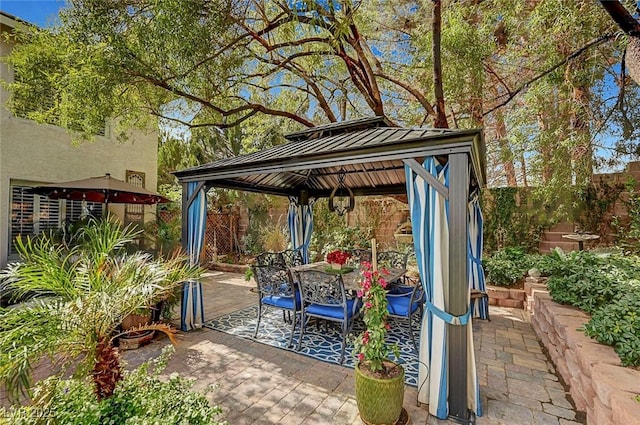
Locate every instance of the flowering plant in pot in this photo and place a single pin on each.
(338, 258)
(379, 381)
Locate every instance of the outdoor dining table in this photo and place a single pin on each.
(352, 278)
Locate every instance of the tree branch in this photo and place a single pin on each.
(509, 96)
(414, 92)
(622, 17)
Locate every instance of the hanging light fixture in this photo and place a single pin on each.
(341, 200)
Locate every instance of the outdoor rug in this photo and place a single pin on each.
(318, 343)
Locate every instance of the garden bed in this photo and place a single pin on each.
(599, 384)
(229, 268)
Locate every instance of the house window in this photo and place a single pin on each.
(44, 101)
(134, 213)
(33, 214)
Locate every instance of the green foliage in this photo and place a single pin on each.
(628, 232)
(593, 204)
(330, 232)
(370, 345)
(618, 324)
(506, 267)
(590, 281)
(608, 288)
(265, 233)
(504, 66)
(511, 219)
(78, 298)
(164, 234)
(141, 398)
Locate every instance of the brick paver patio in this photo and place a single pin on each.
(259, 384)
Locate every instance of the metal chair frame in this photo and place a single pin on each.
(324, 290)
(292, 257)
(393, 259)
(417, 295)
(271, 259)
(275, 287)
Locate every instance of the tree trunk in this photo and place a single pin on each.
(633, 58)
(107, 371)
(506, 154)
(582, 152)
(441, 116)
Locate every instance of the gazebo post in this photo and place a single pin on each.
(185, 217)
(458, 284)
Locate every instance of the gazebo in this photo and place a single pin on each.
(440, 171)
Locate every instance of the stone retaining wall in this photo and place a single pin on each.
(599, 385)
(505, 297)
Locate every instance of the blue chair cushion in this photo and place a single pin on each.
(401, 289)
(331, 312)
(282, 302)
(399, 306)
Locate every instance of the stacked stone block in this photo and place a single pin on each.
(599, 385)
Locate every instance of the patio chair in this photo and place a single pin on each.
(403, 305)
(324, 297)
(360, 255)
(277, 290)
(292, 257)
(271, 259)
(393, 259)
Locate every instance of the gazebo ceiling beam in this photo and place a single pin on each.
(398, 189)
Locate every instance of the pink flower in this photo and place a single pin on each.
(371, 346)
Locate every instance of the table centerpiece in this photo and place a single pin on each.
(337, 259)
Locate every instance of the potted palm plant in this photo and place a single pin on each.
(79, 296)
(379, 381)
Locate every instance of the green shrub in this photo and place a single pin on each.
(590, 282)
(618, 325)
(607, 287)
(507, 266)
(628, 231)
(141, 398)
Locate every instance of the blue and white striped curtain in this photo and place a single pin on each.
(192, 311)
(429, 219)
(476, 272)
(300, 226)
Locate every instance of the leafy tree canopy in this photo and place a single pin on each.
(542, 77)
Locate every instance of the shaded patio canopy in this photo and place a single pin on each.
(376, 158)
(369, 151)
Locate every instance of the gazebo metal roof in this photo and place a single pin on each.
(369, 151)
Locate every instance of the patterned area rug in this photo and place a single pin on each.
(319, 343)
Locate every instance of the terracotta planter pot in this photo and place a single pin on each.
(379, 400)
(135, 320)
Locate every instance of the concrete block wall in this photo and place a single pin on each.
(552, 237)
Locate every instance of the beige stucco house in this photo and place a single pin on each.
(33, 154)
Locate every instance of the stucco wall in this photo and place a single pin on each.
(32, 153)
